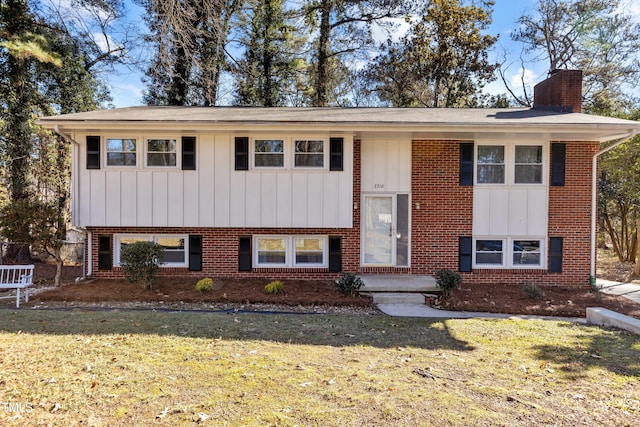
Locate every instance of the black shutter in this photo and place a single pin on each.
(195, 253)
(93, 152)
(242, 153)
(105, 253)
(558, 161)
(466, 163)
(555, 254)
(465, 249)
(336, 154)
(335, 254)
(188, 153)
(244, 253)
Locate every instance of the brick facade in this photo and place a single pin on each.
(561, 91)
(444, 214)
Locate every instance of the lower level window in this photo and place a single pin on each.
(175, 247)
(508, 253)
(290, 251)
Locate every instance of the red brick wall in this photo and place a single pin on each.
(561, 89)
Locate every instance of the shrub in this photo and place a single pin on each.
(448, 280)
(349, 283)
(533, 291)
(140, 261)
(204, 285)
(274, 287)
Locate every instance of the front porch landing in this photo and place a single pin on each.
(397, 289)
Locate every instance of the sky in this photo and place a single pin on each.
(126, 87)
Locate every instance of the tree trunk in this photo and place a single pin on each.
(636, 270)
(322, 96)
(57, 253)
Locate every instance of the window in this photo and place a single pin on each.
(269, 153)
(508, 253)
(290, 251)
(489, 252)
(121, 152)
(309, 251)
(528, 164)
(309, 154)
(491, 164)
(161, 152)
(175, 248)
(272, 251)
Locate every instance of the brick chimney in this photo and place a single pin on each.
(561, 91)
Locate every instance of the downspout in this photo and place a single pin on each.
(594, 202)
(86, 268)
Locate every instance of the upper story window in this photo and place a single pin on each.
(268, 153)
(121, 152)
(528, 164)
(162, 152)
(491, 164)
(309, 153)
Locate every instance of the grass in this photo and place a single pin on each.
(126, 368)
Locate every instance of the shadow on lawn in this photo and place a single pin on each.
(332, 330)
(575, 360)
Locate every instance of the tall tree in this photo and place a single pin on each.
(442, 61)
(189, 40)
(590, 35)
(264, 74)
(344, 37)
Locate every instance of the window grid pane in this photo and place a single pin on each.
(491, 164)
(489, 252)
(161, 152)
(272, 251)
(528, 164)
(309, 251)
(121, 152)
(526, 252)
(269, 153)
(309, 153)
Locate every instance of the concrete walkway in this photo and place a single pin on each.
(627, 290)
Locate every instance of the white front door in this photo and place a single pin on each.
(385, 230)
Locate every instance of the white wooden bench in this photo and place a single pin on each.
(16, 277)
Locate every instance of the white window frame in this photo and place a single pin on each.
(290, 251)
(294, 145)
(178, 151)
(136, 138)
(508, 252)
(153, 238)
(510, 162)
(285, 149)
(289, 152)
(505, 163)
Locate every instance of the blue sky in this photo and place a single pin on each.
(126, 87)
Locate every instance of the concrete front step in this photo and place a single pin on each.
(397, 283)
(396, 297)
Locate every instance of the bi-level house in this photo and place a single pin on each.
(501, 195)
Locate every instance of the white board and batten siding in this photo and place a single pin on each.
(386, 165)
(215, 194)
(510, 211)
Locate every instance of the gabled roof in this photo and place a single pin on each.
(451, 123)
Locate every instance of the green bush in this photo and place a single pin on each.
(533, 291)
(349, 283)
(204, 285)
(274, 287)
(448, 281)
(140, 261)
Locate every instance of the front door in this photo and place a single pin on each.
(385, 230)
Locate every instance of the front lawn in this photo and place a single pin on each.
(113, 368)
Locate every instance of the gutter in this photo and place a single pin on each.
(594, 200)
(86, 258)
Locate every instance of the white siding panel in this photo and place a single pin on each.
(83, 216)
(145, 199)
(345, 199)
(112, 191)
(299, 201)
(315, 200)
(391, 157)
(481, 211)
(160, 199)
(221, 183)
(206, 167)
(268, 200)
(191, 202)
(98, 199)
(538, 211)
(283, 199)
(386, 165)
(331, 201)
(366, 162)
(380, 166)
(128, 199)
(404, 166)
(499, 212)
(252, 200)
(518, 212)
(175, 183)
(237, 205)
